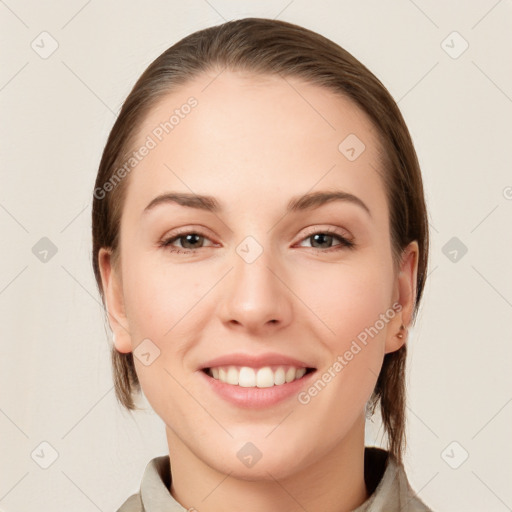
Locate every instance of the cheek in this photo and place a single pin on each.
(351, 306)
(158, 297)
(352, 302)
(162, 305)
(351, 298)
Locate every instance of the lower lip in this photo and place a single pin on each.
(253, 398)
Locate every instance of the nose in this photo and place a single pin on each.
(255, 296)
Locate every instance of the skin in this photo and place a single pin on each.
(253, 143)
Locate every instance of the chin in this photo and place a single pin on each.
(253, 464)
(263, 471)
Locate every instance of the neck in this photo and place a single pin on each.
(334, 482)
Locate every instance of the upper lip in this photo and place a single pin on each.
(254, 361)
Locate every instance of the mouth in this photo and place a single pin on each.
(263, 377)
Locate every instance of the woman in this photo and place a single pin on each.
(260, 242)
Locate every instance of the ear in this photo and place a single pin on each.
(113, 291)
(405, 295)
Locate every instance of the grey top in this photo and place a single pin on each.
(385, 480)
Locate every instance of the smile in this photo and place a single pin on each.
(265, 377)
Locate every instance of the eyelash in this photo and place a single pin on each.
(344, 242)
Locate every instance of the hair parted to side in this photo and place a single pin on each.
(270, 47)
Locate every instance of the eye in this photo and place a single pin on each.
(326, 237)
(190, 242)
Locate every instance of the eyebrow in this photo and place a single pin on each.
(300, 203)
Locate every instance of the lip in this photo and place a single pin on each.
(255, 361)
(256, 398)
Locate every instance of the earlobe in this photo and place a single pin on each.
(406, 290)
(114, 301)
(396, 339)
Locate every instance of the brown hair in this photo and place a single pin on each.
(270, 47)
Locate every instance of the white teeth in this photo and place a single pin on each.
(265, 378)
(232, 376)
(279, 377)
(300, 373)
(290, 374)
(248, 377)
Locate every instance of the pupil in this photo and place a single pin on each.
(322, 236)
(188, 241)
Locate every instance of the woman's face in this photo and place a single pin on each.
(255, 277)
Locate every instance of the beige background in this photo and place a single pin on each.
(55, 380)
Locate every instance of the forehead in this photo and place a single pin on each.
(256, 137)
